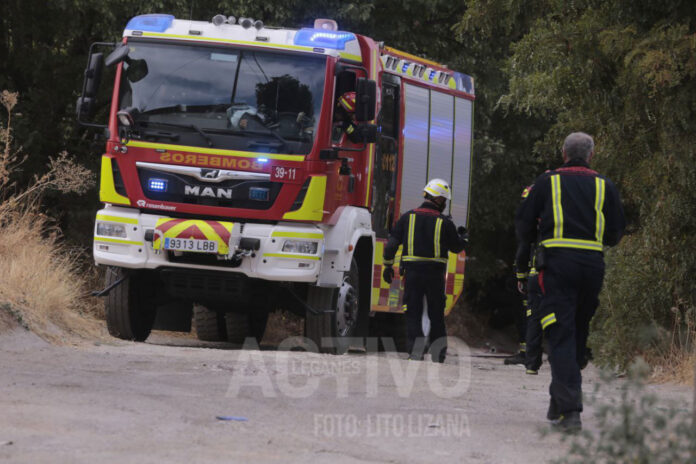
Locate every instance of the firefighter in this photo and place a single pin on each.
(578, 212)
(527, 285)
(345, 116)
(427, 237)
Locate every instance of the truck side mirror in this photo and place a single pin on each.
(366, 99)
(93, 74)
(369, 132)
(84, 107)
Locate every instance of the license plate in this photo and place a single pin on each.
(191, 244)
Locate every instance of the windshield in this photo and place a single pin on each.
(222, 97)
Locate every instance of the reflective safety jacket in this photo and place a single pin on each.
(426, 235)
(574, 207)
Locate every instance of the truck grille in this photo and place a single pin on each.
(179, 188)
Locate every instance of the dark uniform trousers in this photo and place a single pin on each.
(425, 281)
(570, 283)
(534, 335)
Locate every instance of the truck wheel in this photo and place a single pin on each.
(210, 325)
(130, 312)
(243, 325)
(340, 312)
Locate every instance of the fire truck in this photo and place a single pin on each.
(230, 189)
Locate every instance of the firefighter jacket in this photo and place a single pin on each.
(524, 257)
(426, 235)
(574, 207)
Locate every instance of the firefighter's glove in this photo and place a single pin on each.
(463, 233)
(388, 274)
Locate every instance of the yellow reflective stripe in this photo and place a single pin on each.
(548, 320)
(599, 206)
(280, 233)
(404, 308)
(290, 256)
(122, 220)
(423, 258)
(350, 56)
(572, 243)
(411, 231)
(198, 38)
(521, 275)
(387, 262)
(116, 240)
(557, 206)
(107, 187)
(438, 226)
(312, 208)
(213, 151)
(529, 312)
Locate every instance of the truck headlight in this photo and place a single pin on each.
(110, 229)
(300, 246)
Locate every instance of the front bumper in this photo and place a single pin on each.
(269, 262)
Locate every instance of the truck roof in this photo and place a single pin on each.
(315, 41)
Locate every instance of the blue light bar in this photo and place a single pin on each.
(405, 67)
(157, 185)
(432, 75)
(262, 160)
(150, 22)
(321, 38)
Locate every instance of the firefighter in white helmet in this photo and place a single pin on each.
(427, 236)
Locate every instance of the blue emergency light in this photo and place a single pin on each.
(157, 185)
(150, 23)
(322, 38)
(432, 75)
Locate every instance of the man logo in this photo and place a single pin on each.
(208, 192)
(141, 203)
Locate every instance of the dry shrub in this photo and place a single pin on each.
(674, 359)
(40, 283)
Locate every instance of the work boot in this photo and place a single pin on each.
(568, 422)
(552, 414)
(586, 358)
(519, 358)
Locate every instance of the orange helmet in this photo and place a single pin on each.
(347, 101)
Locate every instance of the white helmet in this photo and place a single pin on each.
(438, 188)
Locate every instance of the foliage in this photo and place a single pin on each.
(624, 72)
(634, 427)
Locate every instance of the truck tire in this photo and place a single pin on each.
(340, 312)
(243, 325)
(238, 327)
(130, 312)
(210, 325)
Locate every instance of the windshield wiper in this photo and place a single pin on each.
(194, 127)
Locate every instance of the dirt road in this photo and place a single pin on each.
(160, 401)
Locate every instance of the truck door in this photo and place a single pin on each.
(386, 159)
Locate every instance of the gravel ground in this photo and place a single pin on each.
(160, 401)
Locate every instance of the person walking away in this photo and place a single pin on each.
(578, 213)
(427, 237)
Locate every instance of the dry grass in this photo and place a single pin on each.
(281, 325)
(40, 283)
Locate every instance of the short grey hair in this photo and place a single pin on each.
(578, 145)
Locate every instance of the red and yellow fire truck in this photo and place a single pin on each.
(230, 188)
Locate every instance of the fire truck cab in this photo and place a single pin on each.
(231, 187)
